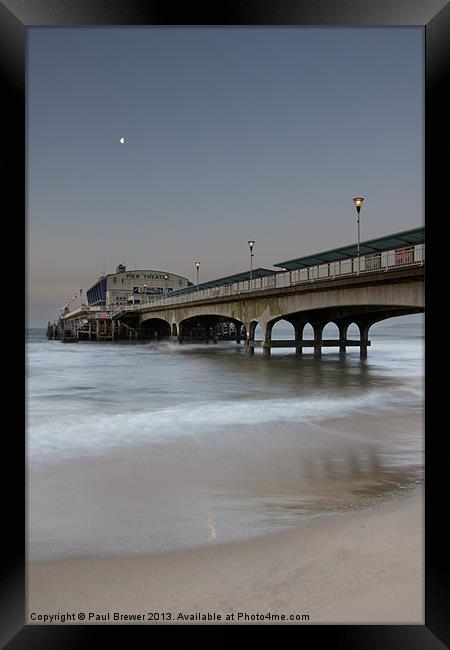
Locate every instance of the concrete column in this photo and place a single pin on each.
(250, 337)
(343, 327)
(298, 328)
(266, 339)
(318, 328)
(363, 339)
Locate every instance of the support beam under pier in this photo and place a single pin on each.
(309, 343)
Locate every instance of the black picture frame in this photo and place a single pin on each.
(16, 16)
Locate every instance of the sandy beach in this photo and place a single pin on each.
(361, 567)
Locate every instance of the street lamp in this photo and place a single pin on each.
(197, 266)
(145, 291)
(251, 243)
(166, 277)
(358, 201)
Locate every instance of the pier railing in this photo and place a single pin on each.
(384, 261)
(363, 265)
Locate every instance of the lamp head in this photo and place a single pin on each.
(251, 243)
(358, 201)
(197, 264)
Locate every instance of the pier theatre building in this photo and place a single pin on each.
(133, 287)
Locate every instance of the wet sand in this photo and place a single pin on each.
(227, 486)
(360, 567)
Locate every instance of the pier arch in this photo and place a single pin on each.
(155, 317)
(282, 326)
(208, 327)
(307, 331)
(251, 331)
(331, 330)
(309, 327)
(154, 328)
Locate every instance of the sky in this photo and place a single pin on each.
(230, 134)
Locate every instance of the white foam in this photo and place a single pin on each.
(78, 434)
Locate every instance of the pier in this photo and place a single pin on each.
(385, 280)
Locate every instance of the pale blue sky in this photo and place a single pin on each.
(231, 134)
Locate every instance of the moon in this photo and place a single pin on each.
(122, 140)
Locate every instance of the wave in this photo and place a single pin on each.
(67, 436)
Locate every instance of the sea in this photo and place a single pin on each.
(147, 447)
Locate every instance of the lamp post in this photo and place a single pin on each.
(358, 201)
(145, 291)
(285, 270)
(251, 243)
(197, 266)
(166, 277)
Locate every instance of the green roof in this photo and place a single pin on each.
(414, 236)
(229, 279)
